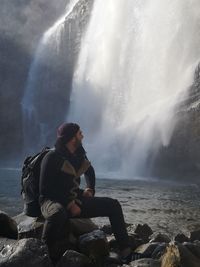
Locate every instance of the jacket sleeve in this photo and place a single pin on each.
(90, 178)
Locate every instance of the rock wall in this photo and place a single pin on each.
(181, 158)
(18, 43)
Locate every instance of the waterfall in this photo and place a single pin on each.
(46, 75)
(136, 62)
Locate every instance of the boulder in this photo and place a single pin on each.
(159, 251)
(32, 227)
(145, 263)
(147, 249)
(143, 231)
(181, 238)
(80, 226)
(29, 227)
(8, 227)
(160, 238)
(29, 252)
(94, 244)
(193, 248)
(73, 259)
(177, 255)
(195, 235)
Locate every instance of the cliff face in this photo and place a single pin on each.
(181, 158)
(18, 43)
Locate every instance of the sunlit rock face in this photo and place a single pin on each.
(18, 51)
(180, 158)
(48, 88)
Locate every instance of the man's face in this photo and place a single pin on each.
(78, 138)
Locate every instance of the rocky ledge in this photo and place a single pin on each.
(91, 246)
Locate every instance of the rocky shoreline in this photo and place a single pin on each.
(89, 246)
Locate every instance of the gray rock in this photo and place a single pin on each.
(145, 263)
(177, 255)
(193, 248)
(25, 252)
(28, 226)
(144, 231)
(195, 235)
(73, 259)
(160, 238)
(147, 249)
(135, 241)
(80, 226)
(8, 227)
(181, 238)
(159, 251)
(32, 227)
(94, 244)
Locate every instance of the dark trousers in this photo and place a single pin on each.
(56, 217)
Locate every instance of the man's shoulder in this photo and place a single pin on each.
(52, 156)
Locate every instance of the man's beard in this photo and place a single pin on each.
(78, 143)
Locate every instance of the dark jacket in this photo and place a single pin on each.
(60, 175)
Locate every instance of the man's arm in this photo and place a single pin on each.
(90, 181)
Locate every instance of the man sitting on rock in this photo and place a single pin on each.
(61, 198)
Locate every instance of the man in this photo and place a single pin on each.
(60, 195)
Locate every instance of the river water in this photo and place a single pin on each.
(167, 207)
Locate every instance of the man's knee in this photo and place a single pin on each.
(54, 211)
(114, 205)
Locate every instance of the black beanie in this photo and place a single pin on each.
(67, 131)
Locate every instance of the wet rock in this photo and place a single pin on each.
(135, 241)
(73, 259)
(171, 257)
(195, 235)
(25, 252)
(32, 227)
(29, 227)
(159, 251)
(181, 238)
(8, 227)
(80, 226)
(145, 263)
(193, 248)
(178, 255)
(147, 249)
(112, 258)
(144, 231)
(160, 238)
(94, 244)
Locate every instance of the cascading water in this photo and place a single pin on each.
(45, 77)
(136, 62)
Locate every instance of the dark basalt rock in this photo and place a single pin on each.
(8, 227)
(181, 238)
(143, 231)
(195, 235)
(193, 248)
(28, 226)
(73, 259)
(94, 244)
(147, 249)
(32, 227)
(25, 252)
(160, 238)
(145, 263)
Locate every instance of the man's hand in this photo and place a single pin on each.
(74, 209)
(88, 192)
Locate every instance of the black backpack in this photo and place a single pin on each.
(30, 183)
